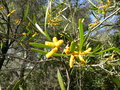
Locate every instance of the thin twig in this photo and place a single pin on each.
(105, 19)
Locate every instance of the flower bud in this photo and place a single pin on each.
(55, 39)
(67, 50)
(86, 51)
(82, 60)
(58, 43)
(71, 61)
(49, 44)
(49, 54)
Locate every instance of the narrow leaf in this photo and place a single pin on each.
(26, 12)
(16, 86)
(81, 34)
(60, 79)
(117, 81)
(105, 50)
(38, 51)
(39, 45)
(34, 19)
(72, 46)
(57, 54)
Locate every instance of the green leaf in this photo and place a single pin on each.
(81, 33)
(34, 18)
(116, 80)
(39, 51)
(1, 44)
(57, 54)
(39, 45)
(60, 79)
(105, 50)
(117, 50)
(26, 12)
(20, 87)
(16, 86)
(44, 52)
(72, 46)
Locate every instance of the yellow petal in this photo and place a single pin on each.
(57, 44)
(55, 39)
(11, 13)
(71, 61)
(75, 53)
(82, 60)
(49, 54)
(66, 50)
(17, 20)
(86, 51)
(35, 34)
(49, 44)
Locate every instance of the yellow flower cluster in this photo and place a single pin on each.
(11, 12)
(91, 25)
(54, 22)
(55, 44)
(17, 21)
(76, 54)
(103, 7)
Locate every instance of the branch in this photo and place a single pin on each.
(105, 19)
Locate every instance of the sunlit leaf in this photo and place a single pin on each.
(81, 34)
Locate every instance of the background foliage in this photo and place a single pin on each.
(23, 64)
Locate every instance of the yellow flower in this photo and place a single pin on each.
(91, 25)
(55, 39)
(56, 43)
(71, 61)
(54, 22)
(66, 50)
(50, 44)
(103, 7)
(86, 51)
(24, 33)
(82, 60)
(1, 8)
(11, 12)
(76, 54)
(111, 57)
(49, 54)
(17, 20)
(108, 1)
(35, 34)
